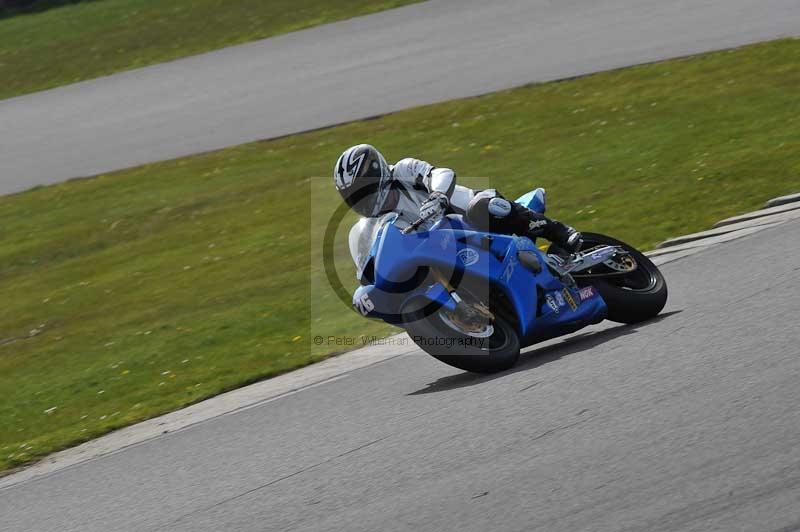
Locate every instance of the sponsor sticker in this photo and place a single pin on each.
(587, 292)
(509, 269)
(560, 299)
(551, 303)
(569, 299)
(536, 224)
(446, 240)
(468, 256)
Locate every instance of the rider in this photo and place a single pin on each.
(415, 189)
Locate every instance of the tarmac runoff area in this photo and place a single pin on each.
(777, 212)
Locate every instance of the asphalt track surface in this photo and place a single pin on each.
(424, 53)
(685, 423)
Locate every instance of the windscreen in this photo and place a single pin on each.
(363, 235)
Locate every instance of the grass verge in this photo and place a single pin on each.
(91, 39)
(134, 293)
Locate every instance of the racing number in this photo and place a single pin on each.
(365, 304)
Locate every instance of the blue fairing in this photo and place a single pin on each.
(544, 307)
(534, 200)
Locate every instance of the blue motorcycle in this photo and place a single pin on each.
(473, 299)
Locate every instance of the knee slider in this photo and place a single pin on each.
(499, 207)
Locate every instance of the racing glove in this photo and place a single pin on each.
(434, 207)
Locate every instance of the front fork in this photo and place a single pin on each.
(558, 266)
(464, 310)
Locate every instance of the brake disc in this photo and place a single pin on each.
(470, 320)
(623, 264)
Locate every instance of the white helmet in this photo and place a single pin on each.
(363, 178)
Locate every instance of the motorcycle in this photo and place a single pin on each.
(474, 299)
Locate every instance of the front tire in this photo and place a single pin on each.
(497, 352)
(633, 298)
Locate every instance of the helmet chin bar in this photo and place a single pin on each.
(384, 189)
(390, 203)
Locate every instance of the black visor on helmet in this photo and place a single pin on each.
(362, 195)
(371, 167)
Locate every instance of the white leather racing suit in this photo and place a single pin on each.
(415, 180)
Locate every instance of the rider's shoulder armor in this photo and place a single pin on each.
(411, 169)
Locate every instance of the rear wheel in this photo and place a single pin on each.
(482, 345)
(634, 290)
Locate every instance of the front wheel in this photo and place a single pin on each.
(631, 297)
(488, 350)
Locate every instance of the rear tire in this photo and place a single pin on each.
(497, 352)
(630, 299)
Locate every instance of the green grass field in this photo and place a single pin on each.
(91, 39)
(134, 293)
